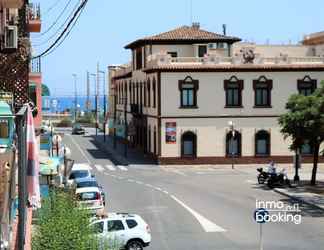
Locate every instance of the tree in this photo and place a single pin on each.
(62, 225)
(304, 123)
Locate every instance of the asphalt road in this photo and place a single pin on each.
(197, 208)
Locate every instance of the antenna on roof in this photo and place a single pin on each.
(224, 29)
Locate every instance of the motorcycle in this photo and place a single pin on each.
(262, 176)
(272, 180)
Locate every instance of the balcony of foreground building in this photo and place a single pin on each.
(15, 4)
(34, 18)
(122, 70)
(210, 60)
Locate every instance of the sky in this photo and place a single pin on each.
(105, 27)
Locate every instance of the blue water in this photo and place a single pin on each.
(60, 104)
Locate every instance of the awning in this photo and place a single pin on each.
(45, 89)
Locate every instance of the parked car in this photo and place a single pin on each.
(79, 171)
(129, 231)
(90, 182)
(90, 198)
(77, 129)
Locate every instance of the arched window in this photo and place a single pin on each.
(188, 92)
(154, 93)
(262, 143)
(188, 145)
(233, 91)
(306, 86)
(233, 144)
(262, 92)
(145, 93)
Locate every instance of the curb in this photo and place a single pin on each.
(298, 199)
(113, 156)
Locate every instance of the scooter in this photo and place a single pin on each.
(280, 179)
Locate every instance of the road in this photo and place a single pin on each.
(197, 208)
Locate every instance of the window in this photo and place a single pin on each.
(138, 58)
(173, 54)
(145, 94)
(306, 86)
(188, 144)
(307, 149)
(154, 141)
(233, 144)
(233, 91)
(202, 50)
(137, 96)
(149, 139)
(4, 129)
(131, 223)
(115, 225)
(262, 92)
(188, 92)
(98, 227)
(130, 92)
(154, 93)
(262, 143)
(149, 93)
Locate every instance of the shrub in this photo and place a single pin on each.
(64, 123)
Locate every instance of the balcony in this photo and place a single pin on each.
(157, 60)
(123, 70)
(15, 4)
(35, 66)
(34, 18)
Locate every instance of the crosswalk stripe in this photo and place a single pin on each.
(99, 168)
(122, 168)
(110, 167)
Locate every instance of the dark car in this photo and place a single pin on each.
(90, 182)
(77, 129)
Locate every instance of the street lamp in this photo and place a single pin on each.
(75, 96)
(96, 99)
(105, 103)
(231, 149)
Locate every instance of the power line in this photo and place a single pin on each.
(52, 7)
(57, 19)
(75, 16)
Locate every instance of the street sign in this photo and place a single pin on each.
(260, 215)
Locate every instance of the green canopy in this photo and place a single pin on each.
(5, 109)
(45, 89)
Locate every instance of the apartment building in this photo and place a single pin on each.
(192, 96)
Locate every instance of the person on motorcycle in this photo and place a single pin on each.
(272, 168)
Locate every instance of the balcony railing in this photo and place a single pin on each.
(35, 65)
(163, 59)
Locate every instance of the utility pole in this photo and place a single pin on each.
(88, 91)
(97, 100)
(75, 97)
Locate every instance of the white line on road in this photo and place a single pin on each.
(78, 147)
(157, 188)
(130, 180)
(122, 168)
(139, 182)
(110, 167)
(166, 192)
(206, 224)
(99, 168)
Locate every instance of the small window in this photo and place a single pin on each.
(115, 225)
(233, 144)
(306, 86)
(262, 91)
(188, 92)
(131, 223)
(233, 91)
(138, 58)
(202, 50)
(98, 227)
(173, 54)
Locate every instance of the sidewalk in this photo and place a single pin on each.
(117, 155)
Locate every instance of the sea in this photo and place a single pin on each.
(54, 104)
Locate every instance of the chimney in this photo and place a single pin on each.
(224, 29)
(196, 25)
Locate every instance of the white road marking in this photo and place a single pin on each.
(79, 148)
(110, 167)
(122, 168)
(166, 192)
(130, 180)
(139, 182)
(99, 168)
(178, 172)
(157, 188)
(206, 224)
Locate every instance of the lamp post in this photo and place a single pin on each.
(75, 96)
(105, 103)
(231, 126)
(96, 105)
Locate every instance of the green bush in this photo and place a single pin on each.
(88, 118)
(64, 123)
(62, 225)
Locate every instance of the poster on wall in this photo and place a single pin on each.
(171, 132)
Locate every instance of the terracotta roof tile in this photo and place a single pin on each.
(184, 34)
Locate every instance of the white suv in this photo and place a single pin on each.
(125, 230)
